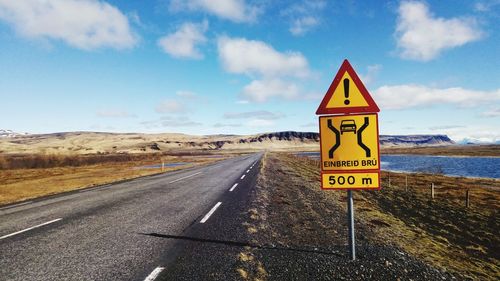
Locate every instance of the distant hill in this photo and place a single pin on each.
(99, 142)
(415, 140)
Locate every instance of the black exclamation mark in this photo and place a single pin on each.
(346, 91)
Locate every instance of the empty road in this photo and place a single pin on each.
(101, 233)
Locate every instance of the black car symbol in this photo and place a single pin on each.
(347, 126)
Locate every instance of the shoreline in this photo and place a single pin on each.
(444, 175)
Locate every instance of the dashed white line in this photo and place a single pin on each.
(248, 171)
(152, 276)
(242, 177)
(234, 186)
(30, 228)
(207, 216)
(185, 177)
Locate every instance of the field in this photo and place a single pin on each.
(456, 150)
(442, 232)
(25, 177)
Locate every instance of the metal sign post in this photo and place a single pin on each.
(350, 215)
(349, 140)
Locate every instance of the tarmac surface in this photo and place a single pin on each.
(113, 232)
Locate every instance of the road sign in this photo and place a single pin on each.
(350, 180)
(349, 142)
(347, 94)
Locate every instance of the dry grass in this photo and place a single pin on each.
(22, 184)
(35, 161)
(442, 232)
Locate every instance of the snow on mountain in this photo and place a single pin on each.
(10, 134)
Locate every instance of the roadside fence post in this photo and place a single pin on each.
(389, 174)
(406, 183)
(432, 191)
(467, 198)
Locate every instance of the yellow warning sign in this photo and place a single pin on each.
(347, 94)
(349, 142)
(350, 180)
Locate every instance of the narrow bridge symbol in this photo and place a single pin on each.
(359, 135)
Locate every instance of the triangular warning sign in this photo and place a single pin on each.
(347, 94)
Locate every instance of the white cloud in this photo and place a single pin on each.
(421, 36)
(304, 16)
(169, 121)
(260, 114)
(239, 55)
(84, 24)
(182, 43)
(234, 10)
(222, 125)
(477, 134)
(301, 25)
(311, 124)
(180, 123)
(111, 113)
(494, 112)
(445, 127)
(259, 123)
(171, 106)
(186, 95)
(263, 90)
(486, 6)
(407, 96)
(371, 73)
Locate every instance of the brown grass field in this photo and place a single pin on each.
(443, 232)
(455, 150)
(26, 183)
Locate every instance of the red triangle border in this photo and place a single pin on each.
(372, 106)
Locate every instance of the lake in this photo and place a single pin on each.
(480, 167)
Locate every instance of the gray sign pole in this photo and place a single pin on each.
(350, 214)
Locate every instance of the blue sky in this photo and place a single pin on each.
(243, 67)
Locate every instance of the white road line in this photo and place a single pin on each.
(207, 216)
(185, 177)
(234, 186)
(248, 171)
(30, 228)
(242, 177)
(152, 276)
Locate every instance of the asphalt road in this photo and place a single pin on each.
(118, 231)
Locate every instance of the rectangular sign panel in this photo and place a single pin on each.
(350, 180)
(349, 142)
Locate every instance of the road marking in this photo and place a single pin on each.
(16, 205)
(242, 177)
(248, 171)
(185, 177)
(152, 276)
(234, 186)
(207, 216)
(30, 228)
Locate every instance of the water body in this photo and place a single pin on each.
(480, 167)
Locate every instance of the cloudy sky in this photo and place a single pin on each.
(243, 66)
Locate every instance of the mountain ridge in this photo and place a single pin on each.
(103, 142)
